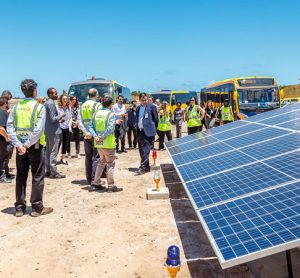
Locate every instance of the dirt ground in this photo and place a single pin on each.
(93, 234)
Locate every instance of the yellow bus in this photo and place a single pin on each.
(172, 97)
(247, 95)
(289, 100)
(114, 88)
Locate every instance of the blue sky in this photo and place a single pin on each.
(147, 45)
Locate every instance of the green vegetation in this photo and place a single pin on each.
(291, 91)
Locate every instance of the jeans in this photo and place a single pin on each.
(4, 154)
(34, 158)
(178, 124)
(52, 146)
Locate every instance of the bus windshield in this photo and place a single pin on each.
(162, 97)
(268, 98)
(81, 91)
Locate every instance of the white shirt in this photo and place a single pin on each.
(118, 110)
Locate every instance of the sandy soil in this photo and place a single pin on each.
(93, 234)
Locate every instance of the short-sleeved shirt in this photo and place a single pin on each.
(3, 121)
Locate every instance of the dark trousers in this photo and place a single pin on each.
(34, 158)
(145, 144)
(65, 140)
(194, 129)
(3, 157)
(10, 150)
(91, 159)
(162, 138)
(75, 136)
(119, 137)
(132, 130)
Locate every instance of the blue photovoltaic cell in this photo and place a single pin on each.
(262, 116)
(213, 165)
(280, 119)
(200, 153)
(227, 127)
(255, 137)
(274, 147)
(288, 164)
(256, 222)
(237, 131)
(186, 139)
(197, 143)
(238, 182)
(294, 125)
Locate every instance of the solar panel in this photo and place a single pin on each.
(267, 221)
(237, 182)
(242, 180)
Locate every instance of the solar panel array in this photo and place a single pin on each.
(243, 181)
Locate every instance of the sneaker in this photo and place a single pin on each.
(63, 162)
(19, 213)
(10, 176)
(99, 188)
(68, 155)
(4, 179)
(44, 211)
(47, 174)
(123, 151)
(114, 188)
(57, 176)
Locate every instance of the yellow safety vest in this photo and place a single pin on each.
(226, 114)
(164, 123)
(25, 117)
(194, 117)
(100, 120)
(87, 111)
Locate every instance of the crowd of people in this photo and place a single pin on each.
(39, 129)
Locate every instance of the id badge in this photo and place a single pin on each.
(146, 116)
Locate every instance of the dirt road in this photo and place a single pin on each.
(93, 234)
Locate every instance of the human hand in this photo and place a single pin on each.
(88, 136)
(99, 139)
(21, 150)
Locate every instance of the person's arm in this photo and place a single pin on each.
(110, 127)
(11, 131)
(4, 133)
(202, 114)
(52, 113)
(91, 130)
(38, 130)
(154, 115)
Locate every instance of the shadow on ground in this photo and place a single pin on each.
(12, 210)
(201, 259)
(196, 244)
(80, 182)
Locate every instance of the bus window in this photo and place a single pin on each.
(183, 98)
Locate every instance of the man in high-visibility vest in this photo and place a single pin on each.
(25, 127)
(226, 112)
(194, 116)
(87, 111)
(102, 128)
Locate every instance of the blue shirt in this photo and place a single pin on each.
(141, 116)
(110, 127)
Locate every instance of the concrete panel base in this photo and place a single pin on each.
(163, 193)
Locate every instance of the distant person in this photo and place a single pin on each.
(194, 116)
(102, 128)
(10, 148)
(64, 109)
(210, 114)
(147, 119)
(42, 100)
(4, 140)
(178, 119)
(226, 112)
(119, 110)
(150, 99)
(87, 110)
(164, 124)
(53, 134)
(202, 107)
(157, 103)
(132, 125)
(25, 128)
(74, 126)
